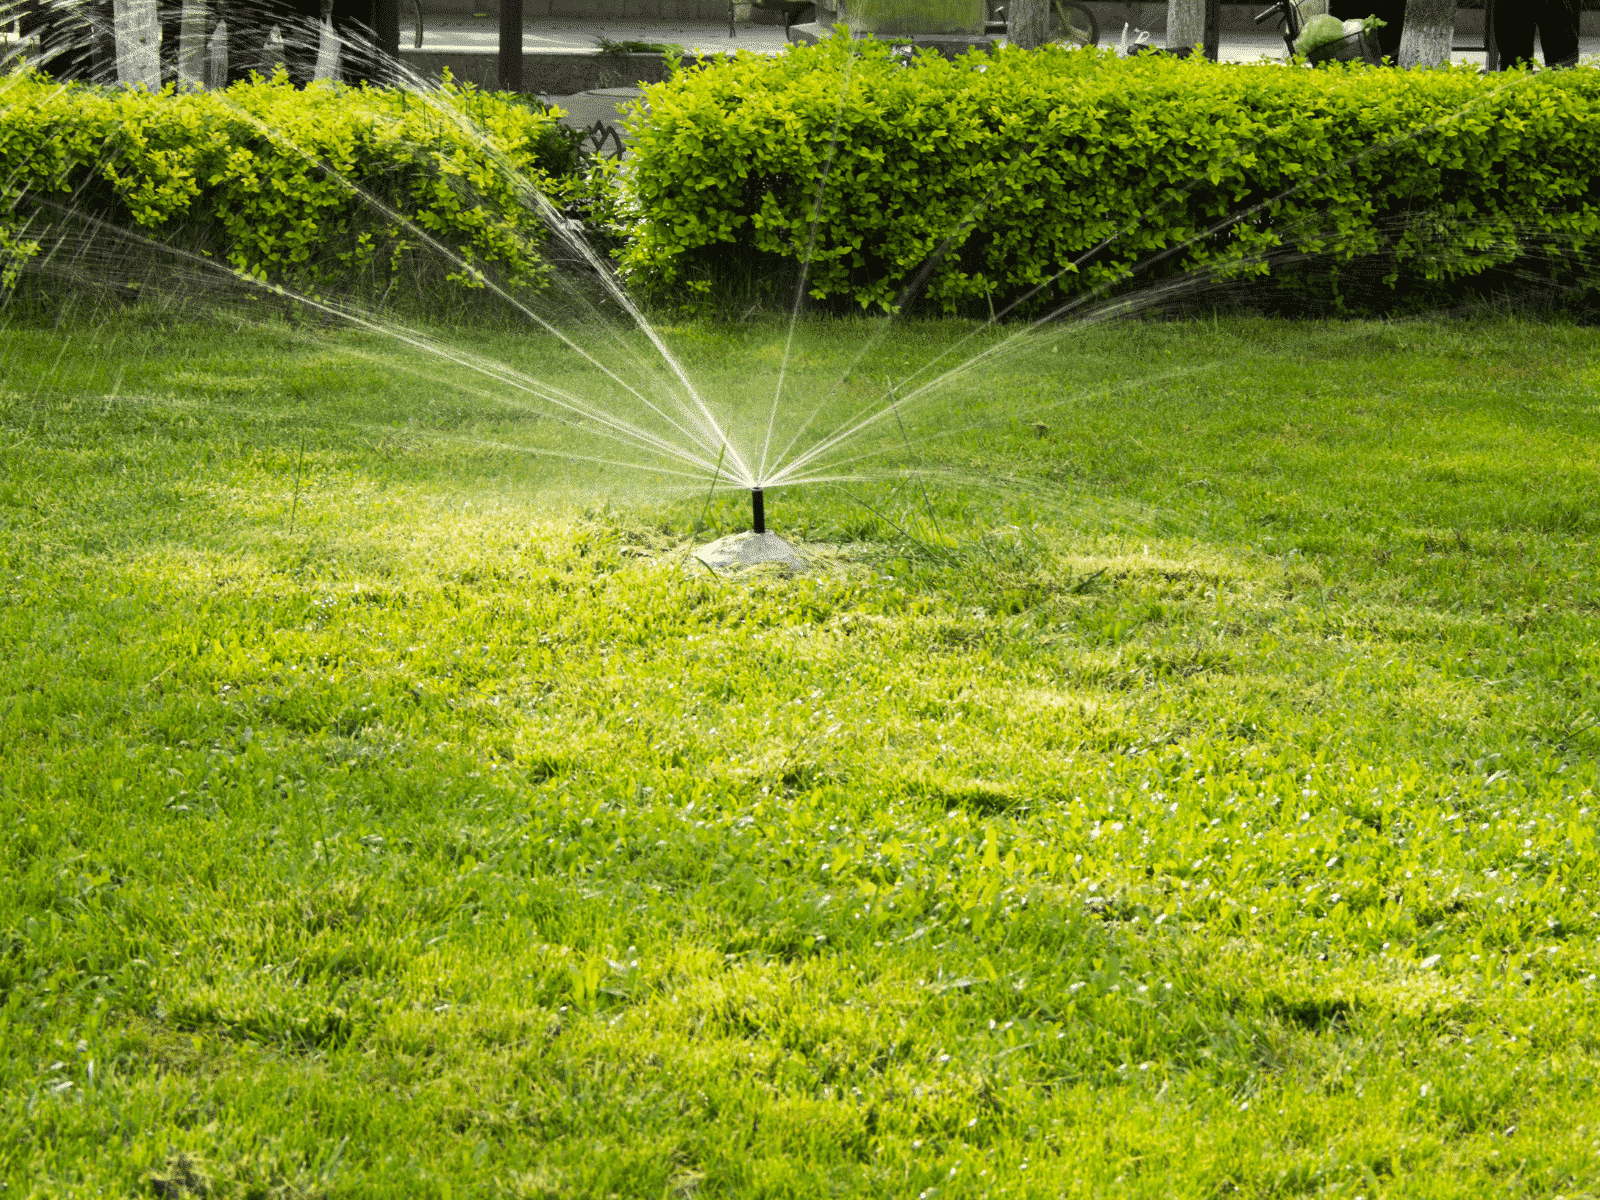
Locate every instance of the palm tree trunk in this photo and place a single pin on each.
(138, 33)
(1028, 23)
(1430, 29)
(1186, 23)
(192, 44)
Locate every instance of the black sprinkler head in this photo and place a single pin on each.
(758, 511)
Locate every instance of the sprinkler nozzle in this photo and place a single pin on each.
(758, 511)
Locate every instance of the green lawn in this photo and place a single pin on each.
(1193, 796)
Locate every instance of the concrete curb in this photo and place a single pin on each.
(548, 72)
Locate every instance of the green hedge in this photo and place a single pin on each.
(282, 185)
(992, 175)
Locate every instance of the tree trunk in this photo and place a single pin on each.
(1186, 23)
(138, 33)
(1028, 23)
(1430, 29)
(328, 50)
(216, 60)
(192, 44)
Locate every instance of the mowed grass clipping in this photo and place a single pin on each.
(1184, 786)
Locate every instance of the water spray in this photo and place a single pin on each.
(758, 511)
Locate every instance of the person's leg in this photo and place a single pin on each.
(1558, 31)
(1513, 32)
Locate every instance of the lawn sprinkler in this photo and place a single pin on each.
(756, 548)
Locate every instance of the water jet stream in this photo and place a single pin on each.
(650, 403)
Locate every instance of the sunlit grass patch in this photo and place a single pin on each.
(1195, 795)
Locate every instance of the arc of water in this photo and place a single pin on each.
(972, 363)
(792, 476)
(913, 285)
(1107, 241)
(694, 477)
(713, 427)
(906, 293)
(805, 263)
(622, 430)
(709, 432)
(920, 276)
(865, 413)
(608, 279)
(1110, 311)
(626, 430)
(916, 281)
(1010, 343)
(689, 477)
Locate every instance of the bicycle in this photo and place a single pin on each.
(1293, 14)
(1073, 25)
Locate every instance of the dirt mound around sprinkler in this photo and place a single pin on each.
(741, 550)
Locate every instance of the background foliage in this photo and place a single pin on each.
(989, 177)
(1019, 178)
(315, 188)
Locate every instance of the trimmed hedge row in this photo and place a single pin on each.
(265, 177)
(1037, 175)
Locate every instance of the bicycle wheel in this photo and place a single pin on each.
(1072, 25)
